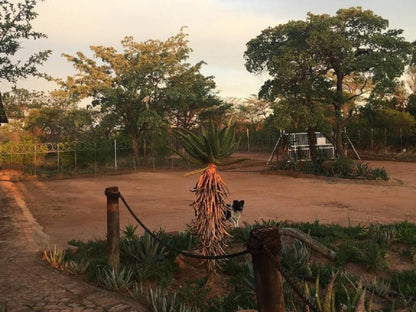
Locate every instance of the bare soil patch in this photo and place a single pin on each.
(76, 208)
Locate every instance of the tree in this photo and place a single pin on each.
(252, 110)
(317, 61)
(209, 149)
(15, 25)
(130, 85)
(48, 117)
(189, 95)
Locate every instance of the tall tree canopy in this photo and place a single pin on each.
(188, 96)
(329, 61)
(133, 84)
(15, 25)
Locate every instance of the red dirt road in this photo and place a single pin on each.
(76, 208)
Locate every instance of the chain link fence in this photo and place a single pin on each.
(76, 158)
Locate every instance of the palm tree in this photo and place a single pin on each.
(209, 149)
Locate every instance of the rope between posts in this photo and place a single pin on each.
(296, 288)
(182, 252)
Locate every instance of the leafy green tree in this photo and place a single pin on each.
(130, 85)
(15, 25)
(252, 110)
(48, 117)
(189, 95)
(57, 124)
(209, 148)
(330, 60)
(411, 105)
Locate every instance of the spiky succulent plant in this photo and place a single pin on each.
(209, 148)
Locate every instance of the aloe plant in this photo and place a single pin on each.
(55, 257)
(210, 149)
(144, 249)
(110, 279)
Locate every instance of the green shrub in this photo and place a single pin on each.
(348, 252)
(343, 167)
(404, 283)
(406, 232)
(379, 174)
(374, 256)
(110, 279)
(142, 249)
(161, 301)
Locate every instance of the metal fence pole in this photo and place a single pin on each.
(401, 140)
(75, 159)
(59, 162)
(11, 160)
(35, 160)
(248, 140)
(115, 154)
(372, 139)
(171, 154)
(95, 158)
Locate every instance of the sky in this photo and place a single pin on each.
(218, 31)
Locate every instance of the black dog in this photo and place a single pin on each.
(233, 212)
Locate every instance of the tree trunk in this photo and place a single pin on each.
(312, 143)
(338, 127)
(145, 151)
(339, 144)
(135, 145)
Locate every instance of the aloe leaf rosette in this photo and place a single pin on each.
(210, 148)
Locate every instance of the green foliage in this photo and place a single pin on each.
(194, 292)
(406, 232)
(404, 283)
(242, 233)
(129, 233)
(160, 272)
(327, 57)
(383, 235)
(142, 249)
(15, 26)
(374, 256)
(297, 258)
(341, 167)
(362, 245)
(348, 251)
(334, 231)
(110, 279)
(212, 146)
(379, 174)
(181, 240)
(143, 88)
(381, 286)
(78, 267)
(162, 301)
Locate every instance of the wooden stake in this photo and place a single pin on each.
(268, 280)
(113, 227)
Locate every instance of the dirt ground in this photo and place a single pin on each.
(76, 208)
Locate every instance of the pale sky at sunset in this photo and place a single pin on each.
(218, 30)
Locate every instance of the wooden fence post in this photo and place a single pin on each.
(113, 227)
(268, 280)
